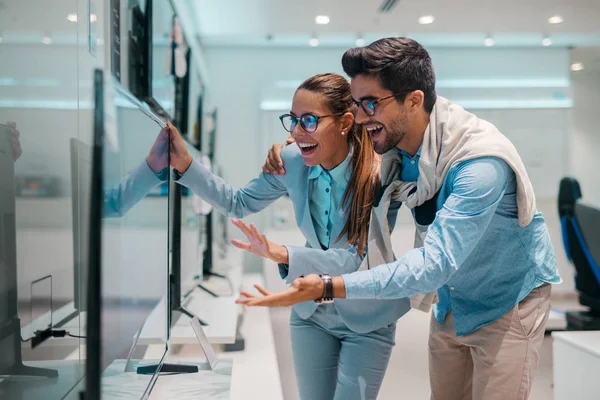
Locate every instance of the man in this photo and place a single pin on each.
(485, 249)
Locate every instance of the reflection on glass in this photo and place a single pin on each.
(41, 308)
(12, 369)
(41, 60)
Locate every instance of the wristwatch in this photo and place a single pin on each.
(327, 296)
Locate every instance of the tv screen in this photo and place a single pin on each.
(139, 49)
(192, 238)
(129, 273)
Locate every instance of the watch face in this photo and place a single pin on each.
(324, 301)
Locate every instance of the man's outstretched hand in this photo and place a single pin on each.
(303, 289)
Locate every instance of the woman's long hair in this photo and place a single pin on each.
(365, 180)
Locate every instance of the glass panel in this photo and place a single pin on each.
(40, 93)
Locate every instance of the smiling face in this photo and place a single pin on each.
(389, 125)
(326, 145)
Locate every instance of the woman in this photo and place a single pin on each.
(340, 350)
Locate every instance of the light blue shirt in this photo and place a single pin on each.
(475, 254)
(410, 165)
(325, 197)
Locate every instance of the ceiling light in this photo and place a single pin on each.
(576, 67)
(426, 19)
(546, 41)
(489, 42)
(72, 17)
(93, 17)
(314, 42)
(555, 19)
(322, 19)
(360, 41)
(46, 40)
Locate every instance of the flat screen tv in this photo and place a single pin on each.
(128, 247)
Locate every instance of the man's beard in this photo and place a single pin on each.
(394, 135)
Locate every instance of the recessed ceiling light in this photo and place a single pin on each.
(360, 41)
(72, 17)
(322, 19)
(555, 19)
(314, 42)
(489, 42)
(546, 42)
(93, 17)
(426, 19)
(576, 67)
(46, 40)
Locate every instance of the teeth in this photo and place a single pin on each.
(307, 145)
(374, 128)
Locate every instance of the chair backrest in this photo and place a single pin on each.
(581, 238)
(569, 192)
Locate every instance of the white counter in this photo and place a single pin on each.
(576, 361)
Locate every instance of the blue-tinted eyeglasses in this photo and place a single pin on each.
(368, 105)
(308, 122)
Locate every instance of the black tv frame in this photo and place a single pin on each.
(93, 365)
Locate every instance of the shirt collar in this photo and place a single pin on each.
(404, 153)
(340, 174)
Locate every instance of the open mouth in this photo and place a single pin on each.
(374, 130)
(308, 148)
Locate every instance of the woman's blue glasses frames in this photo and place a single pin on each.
(308, 122)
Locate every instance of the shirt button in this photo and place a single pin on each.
(451, 287)
(412, 161)
(327, 233)
(327, 190)
(326, 212)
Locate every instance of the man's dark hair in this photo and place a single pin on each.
(401, 64)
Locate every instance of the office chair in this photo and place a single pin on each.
(581, 238)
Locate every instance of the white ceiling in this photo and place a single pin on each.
(291, 22)
(25, 21)
(457, 22)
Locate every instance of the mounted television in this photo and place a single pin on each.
(152, 48)
(128, 249)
